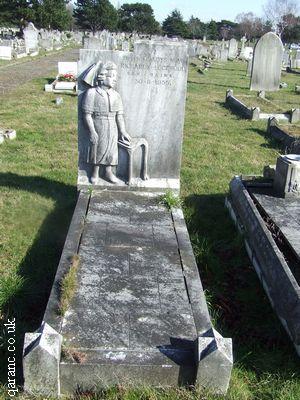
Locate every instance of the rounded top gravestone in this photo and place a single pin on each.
(266, 65)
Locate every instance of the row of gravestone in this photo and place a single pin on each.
(11, 46)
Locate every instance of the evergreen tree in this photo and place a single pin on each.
(138, 17)
(174, 25)
(53, 14)
(96, 15)
(212, 30)
(17, 12)
(196, 27)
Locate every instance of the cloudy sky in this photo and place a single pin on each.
(203, 9)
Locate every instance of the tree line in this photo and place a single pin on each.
(95, 15)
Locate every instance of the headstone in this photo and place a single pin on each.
(46, 44)
(285, 59)
(125, 45)
(233, 48)
(266, 67)
(67, 68)
(150, 78)
(248, 53)
(223, 54)
(287, 176)
(243, 42)
(31, 38)
(94, 43)
(249, 66)
(5, 52)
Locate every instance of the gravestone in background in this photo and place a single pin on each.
(152, 84)
(5, 52)
(266, 63)
(31, 38)
(233, 48)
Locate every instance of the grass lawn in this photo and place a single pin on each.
(38, 194)
(280, 102)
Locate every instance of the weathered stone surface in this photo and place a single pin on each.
(233, 48)
(41, 361)
(139, 307)
(31, 38)
(149, 79)
(290, 144)
(285, 213)
(266, 64)
(5, 52)
(268, 261)
(287, 177)
(215, 361)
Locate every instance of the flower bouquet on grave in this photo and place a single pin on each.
(67, 78)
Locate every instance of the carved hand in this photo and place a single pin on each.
(125, 137)
(94, 137)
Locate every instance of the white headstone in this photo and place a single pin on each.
(31, 38)
(5, 52)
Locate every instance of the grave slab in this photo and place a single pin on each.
(138, 314)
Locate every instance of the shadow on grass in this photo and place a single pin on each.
(238, 304)
(218, 85)
(39, 265)
(233, 110)
(272, 143)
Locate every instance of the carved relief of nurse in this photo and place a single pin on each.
(103, 114)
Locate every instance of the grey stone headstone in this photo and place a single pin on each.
(233, 48)
(31, 37)
(287, 176)
(223, 54)
(152, 83)
(266, 65)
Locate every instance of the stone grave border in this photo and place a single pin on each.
(255, 114)
(274, 273)
(288, 141)
(50, 88)
(42, 349)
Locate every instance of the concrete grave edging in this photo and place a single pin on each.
(214, 357)
(255, 114)
(42, 349)
(291, 143)
(275, 275)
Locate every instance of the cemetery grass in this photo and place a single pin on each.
(42, 53)
(37, 199)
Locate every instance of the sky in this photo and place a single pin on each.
(205, 10)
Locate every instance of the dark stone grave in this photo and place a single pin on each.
(138, 314)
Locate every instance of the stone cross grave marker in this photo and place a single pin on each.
(266, 63)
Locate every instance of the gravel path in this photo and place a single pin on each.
(11, 76)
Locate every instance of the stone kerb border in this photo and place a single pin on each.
(42, 349)
(255, 114)
(277, 279)
(241, 108)
(213, 357)
(290, 143)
